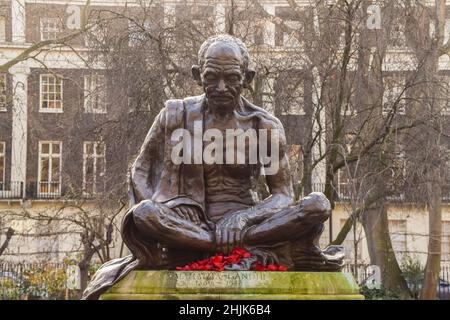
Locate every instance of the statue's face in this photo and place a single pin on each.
(222, 76)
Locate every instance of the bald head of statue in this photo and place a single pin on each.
(223, 71)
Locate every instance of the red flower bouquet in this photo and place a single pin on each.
(220, 262)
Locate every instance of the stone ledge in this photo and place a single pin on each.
(230, 285)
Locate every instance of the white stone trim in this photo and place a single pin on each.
(19, 124)
(18, 20)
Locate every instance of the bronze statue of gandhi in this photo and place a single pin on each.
(187, 210)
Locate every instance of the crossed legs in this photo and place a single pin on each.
(299, 222)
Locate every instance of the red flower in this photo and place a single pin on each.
(218, 262)
(233, 259)
(272, 267)
(241, 252)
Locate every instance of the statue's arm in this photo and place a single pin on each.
(150, 156)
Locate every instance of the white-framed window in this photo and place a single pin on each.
(350, 244)
(94, 93)
(397, 231)
(292, 96)
(49, 168)
(2, 92)
(2, 164)
(94, 166)
(51, 93)
(394, 94)
(50, 28)
(445, 240)
(2, 29)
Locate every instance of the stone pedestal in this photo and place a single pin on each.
(229, 285)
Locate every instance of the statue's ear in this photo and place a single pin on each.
(248, 78)
(196, 74)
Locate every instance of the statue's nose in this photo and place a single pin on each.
(221, 87)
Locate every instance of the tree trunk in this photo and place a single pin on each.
(432, 97)
(9, 235)
(84, 275)
(433, 266)
(376, 228)
(84, 265)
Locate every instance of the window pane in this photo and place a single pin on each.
(89, 173)
(100, 167)
(100, 148)
(45, 148)
(89, 187)
(55, 169)
(55, 148)
(89, 150)
(44, 169)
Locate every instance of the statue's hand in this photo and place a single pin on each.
(189, 213)
(229, 232)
